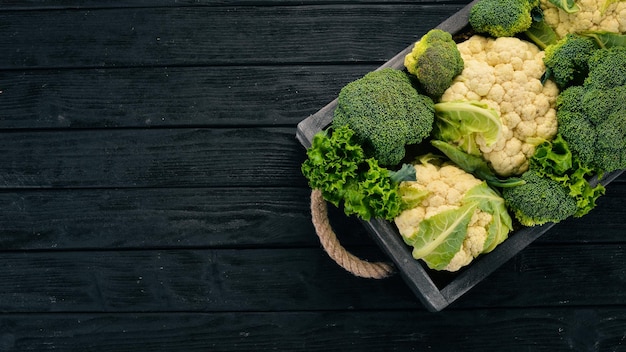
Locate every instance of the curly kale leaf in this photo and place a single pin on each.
(337, 166)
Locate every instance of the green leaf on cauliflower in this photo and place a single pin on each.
(457, 232)
(488, 201)
(475, 165)
(441, 236)
(462, 122)
(568, 6)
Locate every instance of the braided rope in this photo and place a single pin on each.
(330, 243)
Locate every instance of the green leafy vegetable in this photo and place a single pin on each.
(605, 39)
(541, 34)
(337, 166)
(462, 122)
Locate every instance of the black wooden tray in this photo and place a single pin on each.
(436, 290)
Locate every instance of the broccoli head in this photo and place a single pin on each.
(539, 200)
(435, 61)
(591, 117)
(597, 132)
(566, 60)
(386, 112)
(607, 68)
(502, 18)
(611, 147)
(555, 188)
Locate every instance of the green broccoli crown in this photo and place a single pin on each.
(591, 117)
(502, 18)
(435, 60)
(599, 104)
(579, 133)
(566, 60)
(611, 143)
(540, 200)
(386, 112)
(607, 68)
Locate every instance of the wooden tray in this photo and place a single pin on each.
(436, 290)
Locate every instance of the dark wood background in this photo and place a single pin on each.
(152, 201)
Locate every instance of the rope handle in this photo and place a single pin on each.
(330, 243)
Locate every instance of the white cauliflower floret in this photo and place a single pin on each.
(590, 17)
(445, 187)
(505, 73)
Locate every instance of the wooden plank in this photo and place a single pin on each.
(184, 280)
(213, 35)
(562, 275)
(285, 279)
(534, 329)
(169, 96)
(151, 158)
(161, 218)
(217, 217)
(95, 4)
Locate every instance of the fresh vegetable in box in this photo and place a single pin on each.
(386, 112)
(451, 216)
(506, 126)
(506, 75)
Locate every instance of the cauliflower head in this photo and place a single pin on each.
(454, 217)
(505, 74)
(593, 15)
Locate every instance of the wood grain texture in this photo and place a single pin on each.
(579, 329)
(95, 4)
(288, 279)
(151, 158)
(169, 96)
(212, 36)
(151, 195)
(156, 218)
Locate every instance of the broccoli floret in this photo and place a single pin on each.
(502, 18)
(539, 200)
(566, 60)
(556, 186)
(600, 103)
(591, 117)
(580, 134)
(607, 68)
(386, 112)
(611, 144)
(597, 135)
(435, 61)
